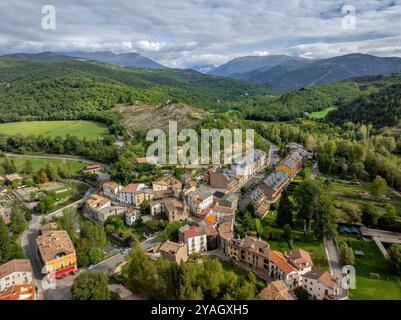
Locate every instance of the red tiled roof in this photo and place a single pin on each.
(19, 292)
(130, 188)
(279, 260)
(193, 232)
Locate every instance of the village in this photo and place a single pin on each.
(205, 207)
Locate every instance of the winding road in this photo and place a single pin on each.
(51, 157)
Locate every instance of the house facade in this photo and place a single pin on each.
(251, 251)
(15, 272)
(320, 285)
(111, 189)
(57, 252)
(194, 237)
(174, 252)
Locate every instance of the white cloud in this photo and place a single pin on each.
(378, 47)
(261, 53)
(151, 46)
(183, 32)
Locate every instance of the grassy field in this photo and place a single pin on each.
(388, 287)
(81, 129)
(72, 166)
(321, 114)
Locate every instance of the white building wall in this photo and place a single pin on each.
(316, 289)
(15, 278)
(197, 244)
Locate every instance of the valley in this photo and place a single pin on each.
(328, 161)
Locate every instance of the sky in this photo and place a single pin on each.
(187, 33)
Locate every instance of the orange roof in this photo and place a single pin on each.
(211, 218)
(19, 292)
(279, 260)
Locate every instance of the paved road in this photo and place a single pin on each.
(52, 157)
(63, 287)
(28, 239)
(334, 260)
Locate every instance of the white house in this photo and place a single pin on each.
(156, 207)
(281, 269)
(194, 237)
(127, 193)
(320, 284)
(132, 215)
(248, 167)
(111, 189)
(301, 259)
(200, 199)
(104, 213)
(15, 272)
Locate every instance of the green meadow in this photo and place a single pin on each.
(73, 166)
(321, 114)
(79, 128)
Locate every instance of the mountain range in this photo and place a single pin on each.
(281, 72)
(287, 73)
(123, 59)
(49, 86)
(236, 67)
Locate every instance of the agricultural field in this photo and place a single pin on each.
(355, 194)
(89, 130)
(72, 166)
(321, 114)
(387, 287)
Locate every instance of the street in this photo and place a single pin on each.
(333, 258)
(52, 157)
(63, 287)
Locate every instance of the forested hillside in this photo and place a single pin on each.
(298, 74)
(382, 108)
(297, 103)
(71, 89)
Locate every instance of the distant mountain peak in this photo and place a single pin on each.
(127, 59)
(234, 68)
